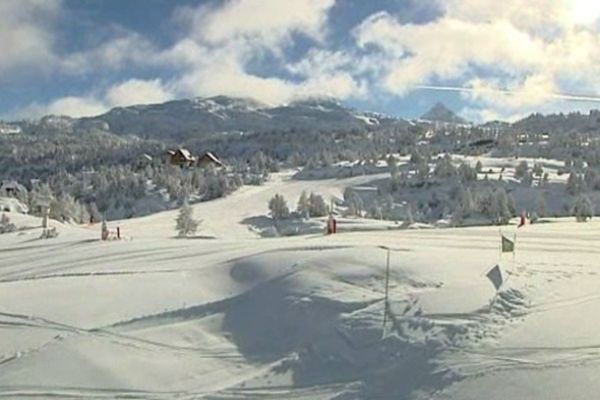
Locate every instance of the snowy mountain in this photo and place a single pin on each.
(440, 113)
(201, 116)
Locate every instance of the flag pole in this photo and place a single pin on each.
(500, 246)
(387, 289)
(502, 283)
(514, 249)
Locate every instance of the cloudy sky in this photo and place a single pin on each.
(487, 59)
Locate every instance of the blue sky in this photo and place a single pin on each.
(483, 58)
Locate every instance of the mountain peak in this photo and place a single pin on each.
(440, 113)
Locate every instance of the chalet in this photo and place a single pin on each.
(180, 157)
(209, 159)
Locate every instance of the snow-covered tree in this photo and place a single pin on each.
(478, 167)
(5, 225)
(444, 168)
(376, 212)
(278, 207)
(353, 202)
(521, 169)
(393, 166)
(583, 208)
(540, 205)
(545, 179)
(537, 170)
(574, 184)
(415, 157)
(502, 207)
(303, 207)
(527, 179)
(467, 173)
(465, 202)
(409, 217)
(185, 223)
(422, 173)
(496, 205)
(318, 207)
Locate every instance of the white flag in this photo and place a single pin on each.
(495, 276)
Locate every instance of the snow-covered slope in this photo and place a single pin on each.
(301, 317)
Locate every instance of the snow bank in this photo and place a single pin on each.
(10, 204)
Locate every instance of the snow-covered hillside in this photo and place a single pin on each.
(227, 315)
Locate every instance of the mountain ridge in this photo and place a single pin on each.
(197, 117)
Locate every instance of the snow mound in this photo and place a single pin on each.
(10, 204)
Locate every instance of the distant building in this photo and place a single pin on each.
(180, 157)
(209, 159)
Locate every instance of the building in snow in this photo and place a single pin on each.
(209, 159)
(180, 157)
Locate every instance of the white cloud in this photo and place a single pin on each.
(131, 92)
(72, 106)
(445, 49)
(29, 30)
(125, 50)
(213, 57)
(259, 21)
(25, 34)
(136, 91)
(536, 51)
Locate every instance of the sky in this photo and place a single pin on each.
(486, 59)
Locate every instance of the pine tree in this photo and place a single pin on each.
(185, 223)
(278, 207)
(466, 173)
(422, 173)
(353, 202)
(318, 207)
(583, 208)
(574, 184)
(5, 225)
(545, 179)
(415, 157)
(376, 212)
(540, 205)
(478, 167)
(501, 207)
(521, 169)
(303, 207)
(444, 167)
(409, 217)
(393, 166)
(538, 171)
(465, 202)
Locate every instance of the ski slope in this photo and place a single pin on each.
(229, 315)
(224, 218)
